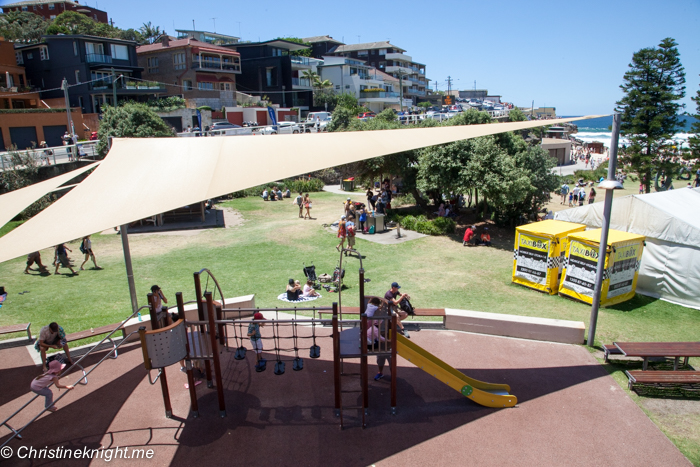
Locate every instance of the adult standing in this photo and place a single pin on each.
(346, 207)
(342, 233)
(299, 202)
(591, 196)
(564, 192)
(350, 232)
(307, 206)
(395, 298)
(86, 248)
(51, 337)
(370, 198)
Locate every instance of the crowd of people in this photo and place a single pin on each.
(61, 258)
(577, 195)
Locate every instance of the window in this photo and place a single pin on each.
(44, 52)
(205, 85)
(19, 58)
(153, 65)
(51, 6)
(225, 86)
(271, 76)
(75, 48)
(100, 75)
(30, 56)
(179, 61)
(24, 8)
(187, 84)
(337, 86)
(34, 7)
(382, 65)
(361, 53)
(94, 48)
(120, 52)
(277, 52)
(382, 51)
(53, 17)
(77, 76)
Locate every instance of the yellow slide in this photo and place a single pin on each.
(486, 394)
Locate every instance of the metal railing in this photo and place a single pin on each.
(98, 58)
(16, 433)
(53, 155)
(300, 60)
(376, 94)
(216, 65)
(301, 82)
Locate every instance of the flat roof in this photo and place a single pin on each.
(289, 45)
(614, 236)
(551, 227)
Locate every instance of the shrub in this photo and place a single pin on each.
(421, 224)
(204, 107)
(303, 185)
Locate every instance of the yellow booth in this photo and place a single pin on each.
(539, 253)
(622, 258)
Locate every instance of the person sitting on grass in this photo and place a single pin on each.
(51, 337)
(485, 237)
(62, 258)
(33, 258)
(293, 291)
(265, 195)
(256, 340)
(309, 289)
(40, 384)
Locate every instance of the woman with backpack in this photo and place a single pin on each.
(86, 249)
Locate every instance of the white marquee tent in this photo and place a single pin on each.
(670, 267)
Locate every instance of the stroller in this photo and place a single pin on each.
(310, 273)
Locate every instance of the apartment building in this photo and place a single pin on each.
(392, 60)
(202, 73)
(49, 9)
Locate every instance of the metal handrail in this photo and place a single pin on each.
(16, 433)
(39, 154)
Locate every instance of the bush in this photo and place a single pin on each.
(421, 224)
(600, 171)
(405, 199)
(204, 107)
(303, 185)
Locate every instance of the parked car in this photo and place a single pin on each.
(366, 115)
(228, 129)
(282, 128)
(322, 119)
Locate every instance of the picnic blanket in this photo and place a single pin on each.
(283, 297)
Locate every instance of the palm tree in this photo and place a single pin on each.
(150, 32)
(324, 85)
(312, 76)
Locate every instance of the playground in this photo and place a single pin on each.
(566, 400)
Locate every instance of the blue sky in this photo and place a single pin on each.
(570, 55)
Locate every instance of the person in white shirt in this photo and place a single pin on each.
(309, 290)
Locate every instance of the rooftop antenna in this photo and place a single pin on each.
(358, 38)
(239, 29)
(214, 19)
(193, 28)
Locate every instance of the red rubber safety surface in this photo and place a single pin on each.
(570, 411)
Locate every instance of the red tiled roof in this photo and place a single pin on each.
(188, 42)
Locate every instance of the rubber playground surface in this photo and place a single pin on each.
(570, 412)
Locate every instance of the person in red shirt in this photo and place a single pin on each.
(486, 237)
(468, 235)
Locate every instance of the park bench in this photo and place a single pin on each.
(690, 379)
(78, 336)
(354, 310)
(17, 328)
(610, 349)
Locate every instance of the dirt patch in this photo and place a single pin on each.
(232, 218)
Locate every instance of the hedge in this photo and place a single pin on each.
(421, 224)
(303, 185)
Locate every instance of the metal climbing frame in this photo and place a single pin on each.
(16, 433)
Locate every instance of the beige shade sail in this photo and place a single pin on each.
(142, 177)
(14, 202)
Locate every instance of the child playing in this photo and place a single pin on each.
(373, 334)
(40, 384)
(571, 199)
(256, 341)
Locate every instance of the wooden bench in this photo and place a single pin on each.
(610, 349)
(354, 310)
(17, 328)
(80, 335)
(664, 378)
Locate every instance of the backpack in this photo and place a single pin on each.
(371, 229)
(407, 307)
(82, 247)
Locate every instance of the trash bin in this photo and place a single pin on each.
(380, 223)
(349, 184)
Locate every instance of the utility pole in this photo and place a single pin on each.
(64, 86)
(449, 85)
(214, 19)
(400, 92)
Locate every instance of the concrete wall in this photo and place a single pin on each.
(187, 115)
(39, 120)
(559, 149)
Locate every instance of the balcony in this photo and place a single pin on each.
(98, 58)
(379, 95)
(297, 60)
(128, 87)
(415, 92)
(216, 66)
(301, 82)
(397, 56)
(399, 69)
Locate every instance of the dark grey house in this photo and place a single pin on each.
(86, 62)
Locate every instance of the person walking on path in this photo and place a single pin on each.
(342, 233)
(51, 337)
(591, 196)
(40, 384)
(307, 206)
(299, 202)
(62, 258)
(86, 248)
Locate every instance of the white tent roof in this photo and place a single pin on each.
(14, 202)
(142, 177)
(673, 216)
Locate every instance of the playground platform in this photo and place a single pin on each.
(570, 411)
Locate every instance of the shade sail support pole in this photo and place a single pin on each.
(124, 230)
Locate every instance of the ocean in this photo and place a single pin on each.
(600, 129)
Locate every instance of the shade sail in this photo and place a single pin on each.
(142, 177)
(14, 202)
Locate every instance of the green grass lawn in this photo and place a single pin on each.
(273, 244)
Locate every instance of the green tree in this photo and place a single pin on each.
(24, 171)
(653, 87)
(300, 53)
(694, 141)
(130, 120)
(516, 115)
(22, 26)
(424, 105)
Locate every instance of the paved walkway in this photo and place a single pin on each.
(570, 411)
